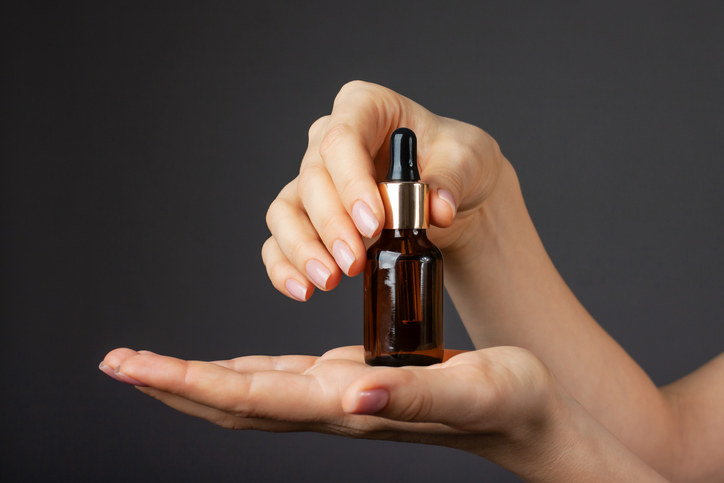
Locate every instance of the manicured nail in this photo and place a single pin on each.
(372, 401)
(119, 376)
(318, 273)
(343, 255)
(446, 196)
(107, 370)
(296, 289)
(364, 219)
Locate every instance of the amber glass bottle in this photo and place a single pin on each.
(403, 280)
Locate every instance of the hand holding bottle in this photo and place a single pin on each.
(319, 219)
(501, 402)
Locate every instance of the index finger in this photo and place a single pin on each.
(362, 119)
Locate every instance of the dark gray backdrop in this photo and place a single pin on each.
(142, 145)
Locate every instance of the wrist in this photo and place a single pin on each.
(537, 435)
(536, 445)
(567, 444)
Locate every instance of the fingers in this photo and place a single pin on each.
(294, 364)
(329, 217)
(355, 353)
(362, 118)
(294, 257)
(191, 408)
(111, 363)
(216, 416)
(283, 275)
(263, 394)
(352, 171)
(317, 220)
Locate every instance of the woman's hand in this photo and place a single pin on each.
(501, 403)
(318, 220)
(499, 390)
(471, 401)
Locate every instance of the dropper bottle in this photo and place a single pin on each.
(403, 276)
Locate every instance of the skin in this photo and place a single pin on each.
(500, 403)
(566, 403)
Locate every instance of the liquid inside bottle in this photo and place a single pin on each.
(403, 300)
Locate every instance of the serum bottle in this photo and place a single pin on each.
(403, 282)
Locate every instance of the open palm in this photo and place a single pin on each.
(469, 401)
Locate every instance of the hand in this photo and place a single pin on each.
(474, 401)
(317, 221)
(501, 403)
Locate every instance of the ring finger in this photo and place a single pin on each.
(297, 239)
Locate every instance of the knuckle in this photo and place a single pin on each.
(354, 87)
(333, 136)
(271, 212)
(267, 251)
(189, 377)
(290, 190)
(494, 146)
(474, 132)
(350, 186)
(297, 250)
(316, 127)
(460, 154)
(419, 406)
(308, 177)
(275, 210)
(331, 223)
(451, 177)
(488, 140)
(416, 409)
(481, 144)
(384, 103)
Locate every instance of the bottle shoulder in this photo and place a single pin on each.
(411, 245)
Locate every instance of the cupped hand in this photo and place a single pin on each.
(478, 401)
(319, 219)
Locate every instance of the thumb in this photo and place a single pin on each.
(440, 394)
(461, 167)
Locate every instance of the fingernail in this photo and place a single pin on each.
(372, 401)
(343, 255)
(318, 273)
(119, 376)
(107, 370)
(296, 289)
(448, 198)
(364, 219)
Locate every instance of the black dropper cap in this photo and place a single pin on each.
(403, 156)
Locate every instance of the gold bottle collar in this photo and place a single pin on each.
(406, 205)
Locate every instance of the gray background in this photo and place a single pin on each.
(142, 144)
